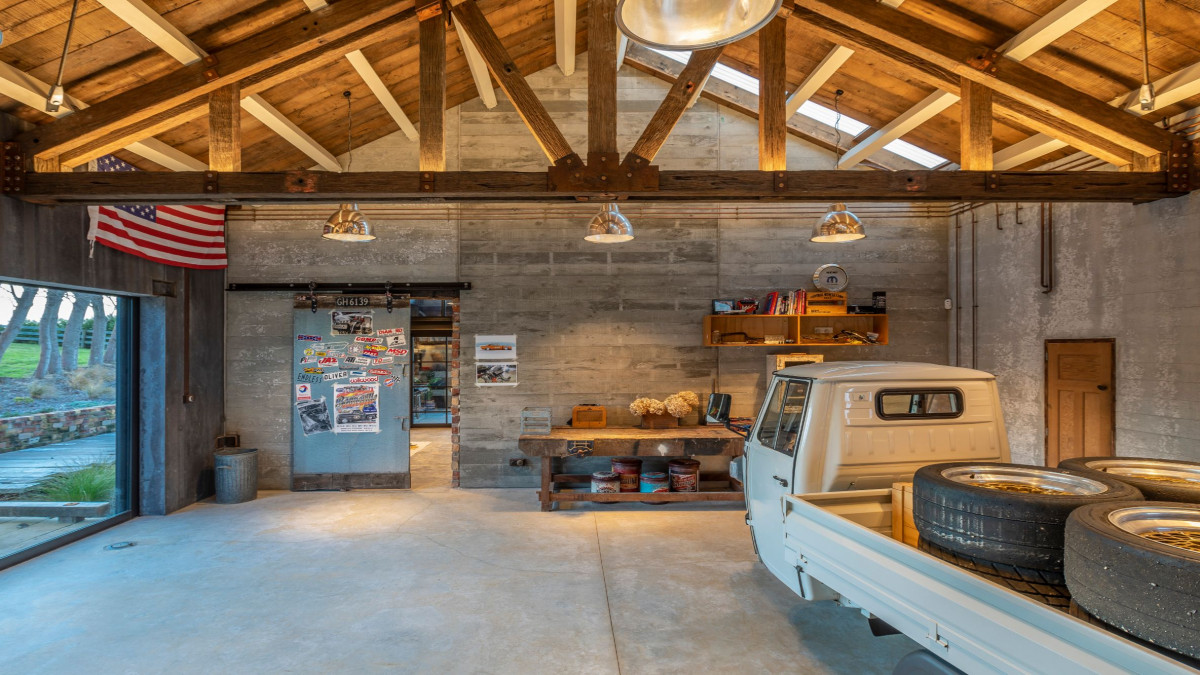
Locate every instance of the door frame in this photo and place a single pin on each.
(1046, 380)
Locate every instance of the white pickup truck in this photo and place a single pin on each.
(819, 461)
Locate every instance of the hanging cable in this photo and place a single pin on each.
(1146, 92)
(837, 128)
(349, 132)
(56, 97)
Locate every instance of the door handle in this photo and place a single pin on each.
(1102, 387)
(782, 481)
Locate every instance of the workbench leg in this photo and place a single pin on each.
(547, 474)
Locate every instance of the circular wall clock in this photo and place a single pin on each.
(831, 278)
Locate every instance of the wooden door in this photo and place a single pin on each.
(1080, 400)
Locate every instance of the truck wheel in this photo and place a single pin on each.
(1167, 480)
(1136, 566)
(1046, 586)
(1011, 514)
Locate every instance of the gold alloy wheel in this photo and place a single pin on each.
(1177, 526)
(1024, 480)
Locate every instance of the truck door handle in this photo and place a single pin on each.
(782, 481)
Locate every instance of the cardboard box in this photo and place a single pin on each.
(827, 303)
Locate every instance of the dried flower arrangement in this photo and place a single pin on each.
(675, 405)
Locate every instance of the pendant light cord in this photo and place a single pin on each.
(837, 128)
(62, 61)
(1145, 46)
(349, 132)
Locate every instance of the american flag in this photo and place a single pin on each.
(183, 236)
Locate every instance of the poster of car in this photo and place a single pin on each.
(314, 416)
(495, 347)
(353, 322)
(355, 408)
(496, 374)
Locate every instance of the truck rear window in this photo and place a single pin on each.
(895, 404)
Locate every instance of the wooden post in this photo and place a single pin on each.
(602, 79)
(225, 128)
(772, 96)
(976, 127)
(432, 127)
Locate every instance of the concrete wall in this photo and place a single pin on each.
(1121, 271)
(595, 324)
(48, 245)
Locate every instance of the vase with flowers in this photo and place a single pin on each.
(662, 414)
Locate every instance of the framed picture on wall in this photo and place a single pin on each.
(723, 306)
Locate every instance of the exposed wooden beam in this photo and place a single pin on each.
(818, 77)
(772, 95)
(479, 70)
(531, 110)
(31, 91)
(432, 87)
(565, 15)
(367, 72)
(1064, 18)
(924, 42)
(225, 129)
(602, 81)
(685, 88)
(155, 28)
(1168, 90)
(906, 122)
(975, 127)
(267, 114)
(909, 66)
(272, 56)
(533, 186)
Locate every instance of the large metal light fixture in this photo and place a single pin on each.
(684, 25)
(348, 224)
(609, 226)
(838, 225)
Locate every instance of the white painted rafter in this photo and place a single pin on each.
(367, 72)
(565, 12)
(276, 121)
(906, 122)
(314, 5)
(479, 70)
(31, 91)
(155, 28)
(1064, 18)
(818, 77)
(622, 48)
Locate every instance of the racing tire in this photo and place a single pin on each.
(970, 508)
(1045, 586)
(1165, 480)
(1140, 585)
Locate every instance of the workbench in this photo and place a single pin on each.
(564, 442)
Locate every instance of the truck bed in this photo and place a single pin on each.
(842, 547)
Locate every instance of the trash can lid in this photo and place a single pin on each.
(235, 451)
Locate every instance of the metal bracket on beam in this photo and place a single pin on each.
(992, 181)
(779, 181)
(300, 181)
(914, 181)
(604, 172)
(210, 73)
(1183, 170)
(985, 63)
(429, 11)
(12, 169)
(212, 182)
(427, 184)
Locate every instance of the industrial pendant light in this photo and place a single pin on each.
(1146, 91)
(839, 224)
(609, 226)
(696, 24)
(348, 223)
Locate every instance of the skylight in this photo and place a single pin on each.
(816, 111)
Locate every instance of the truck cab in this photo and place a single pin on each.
(859, 425)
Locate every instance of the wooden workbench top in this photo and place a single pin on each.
(632, 441)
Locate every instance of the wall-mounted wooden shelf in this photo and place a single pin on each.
(800, 329)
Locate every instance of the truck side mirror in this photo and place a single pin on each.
(718, 408)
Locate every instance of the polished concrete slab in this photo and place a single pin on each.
(428, 580)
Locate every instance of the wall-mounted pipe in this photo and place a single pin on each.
(998, 225)
(1046, 230)
(974, 296)
(957, 294)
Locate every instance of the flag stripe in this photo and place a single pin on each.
(179, 234)
(115, 233)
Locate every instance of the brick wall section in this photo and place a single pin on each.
(455, 476)
(30, 431)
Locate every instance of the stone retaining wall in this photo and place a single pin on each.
(28, 431)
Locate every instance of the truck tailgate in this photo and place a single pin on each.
(842, 540)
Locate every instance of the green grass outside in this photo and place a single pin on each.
(21, 360)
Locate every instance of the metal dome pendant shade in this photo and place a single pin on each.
(838, 225)
(684, 25)
(348, 224)
(609, 226)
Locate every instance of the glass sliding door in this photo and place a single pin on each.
(430, 382)
(67, 406)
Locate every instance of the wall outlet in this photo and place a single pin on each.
(518, 461)
(948, 303)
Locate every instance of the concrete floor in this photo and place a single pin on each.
(428, 580)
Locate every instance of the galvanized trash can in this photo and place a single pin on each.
(237, 475)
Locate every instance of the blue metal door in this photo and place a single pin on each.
(351, 413)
